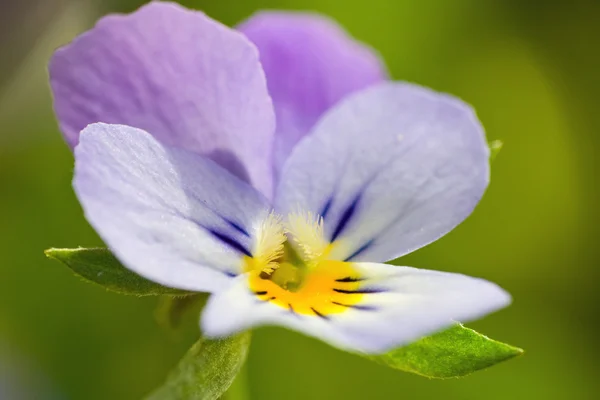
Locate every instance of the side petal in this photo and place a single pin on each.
(390, 170)
(311, 63)
(397, 305)
(190, 81)
(169, 215)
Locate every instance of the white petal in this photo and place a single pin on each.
(400, 305)
(390, 169)
(170, 215)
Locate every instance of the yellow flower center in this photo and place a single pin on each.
(290, 268)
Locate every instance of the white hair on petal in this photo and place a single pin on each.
(306, 230)
(270, 238)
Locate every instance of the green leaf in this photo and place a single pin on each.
(99, 266)
(171, 310)
(206, 371)
(495, 147)
(239, 389)
(452, 353)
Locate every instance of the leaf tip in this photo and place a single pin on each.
(514, 352)
(53, 253)
(495, 147)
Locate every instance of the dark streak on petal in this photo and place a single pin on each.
(359, 291)
(230, 274)
(356, 306)
(237, 227)
(360, 250)
(351, 279)
(318, 314)
(291, 308)
(345, 218)
(260, 293)
(326, 208)
(264, 300)
(231, 242)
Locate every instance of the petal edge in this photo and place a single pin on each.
(190, 81)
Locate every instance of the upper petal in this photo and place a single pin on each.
(169, 215)
(185, 78)
(390, 169)
(378, 309)
(311, 63)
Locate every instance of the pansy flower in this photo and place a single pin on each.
(280, 186)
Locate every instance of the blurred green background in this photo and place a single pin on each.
(530, 69)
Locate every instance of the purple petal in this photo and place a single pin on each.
(390, 169)
(311, 63)
(188, 80)
(170, 215)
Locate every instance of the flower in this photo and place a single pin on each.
(188, 180)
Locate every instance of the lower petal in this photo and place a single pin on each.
(363, 307)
